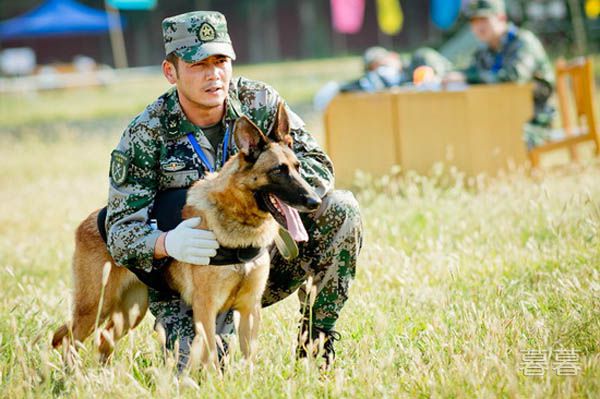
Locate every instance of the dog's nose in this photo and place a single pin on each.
(313, 202)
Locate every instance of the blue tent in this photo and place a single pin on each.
(55, 18)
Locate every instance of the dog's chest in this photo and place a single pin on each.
(244, 269)
(250, 280)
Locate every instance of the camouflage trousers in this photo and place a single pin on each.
(329, 257)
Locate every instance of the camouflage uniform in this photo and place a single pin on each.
(521, 58)
(154, 154)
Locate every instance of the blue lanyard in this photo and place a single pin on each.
(202, 155)
(225, 146)
(499, 61)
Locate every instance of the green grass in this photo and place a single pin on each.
(457, 276)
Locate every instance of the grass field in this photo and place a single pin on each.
(296, 81)
(460, 280)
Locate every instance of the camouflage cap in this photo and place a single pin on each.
(194, 36)
(485, 8)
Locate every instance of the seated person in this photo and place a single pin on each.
(385, 69)
(382, 70)
(508, 54)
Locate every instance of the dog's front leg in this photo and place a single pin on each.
(248, 330)
(204, 347)
(248, 304)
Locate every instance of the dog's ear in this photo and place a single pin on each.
(281, 126)
(248, 138)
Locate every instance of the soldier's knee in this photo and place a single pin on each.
(342, 207)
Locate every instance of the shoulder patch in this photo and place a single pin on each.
(119, 167)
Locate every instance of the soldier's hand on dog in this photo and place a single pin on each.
(187, 244)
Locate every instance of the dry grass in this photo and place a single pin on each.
(296, 81)
(454, 281)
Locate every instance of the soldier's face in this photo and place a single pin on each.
(489, 29)
(204, 83)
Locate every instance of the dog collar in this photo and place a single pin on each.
(232, 256)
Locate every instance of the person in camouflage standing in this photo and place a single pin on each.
(508, 54)
(183, 135)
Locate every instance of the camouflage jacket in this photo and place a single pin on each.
(521, 58)
(154, 154)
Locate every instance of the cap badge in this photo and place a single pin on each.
(206, 33)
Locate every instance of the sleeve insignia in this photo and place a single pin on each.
(119, 167)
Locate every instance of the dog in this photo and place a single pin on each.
(256, 191)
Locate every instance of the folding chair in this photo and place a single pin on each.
(574, 80)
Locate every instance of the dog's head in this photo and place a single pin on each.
(271, 170)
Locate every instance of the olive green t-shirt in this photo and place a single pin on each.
(214, 134)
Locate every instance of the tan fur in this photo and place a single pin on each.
(125, 297)
(227, 207)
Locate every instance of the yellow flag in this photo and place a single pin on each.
(592, 8)
(390, 16)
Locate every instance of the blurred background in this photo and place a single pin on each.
(110, 50)
(275, 30)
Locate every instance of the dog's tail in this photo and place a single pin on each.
(59, 334)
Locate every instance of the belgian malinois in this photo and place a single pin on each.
(243, 204)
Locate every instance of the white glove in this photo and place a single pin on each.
(190, 245)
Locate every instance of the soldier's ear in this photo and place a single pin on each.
(248, 138)
(170, 71)
(281, 126)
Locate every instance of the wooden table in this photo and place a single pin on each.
(478, 129)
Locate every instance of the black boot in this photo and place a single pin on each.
(311, 340)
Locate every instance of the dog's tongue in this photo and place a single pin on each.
(293, 221)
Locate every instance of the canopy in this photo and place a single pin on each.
(54, 18)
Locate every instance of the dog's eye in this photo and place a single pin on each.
(280, 169)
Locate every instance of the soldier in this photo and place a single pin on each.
(385, 69)
(382, 69)
(508, 54)
(183, 135)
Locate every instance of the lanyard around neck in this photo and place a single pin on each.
(202, 155)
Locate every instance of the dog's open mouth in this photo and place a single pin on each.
(285, 215)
